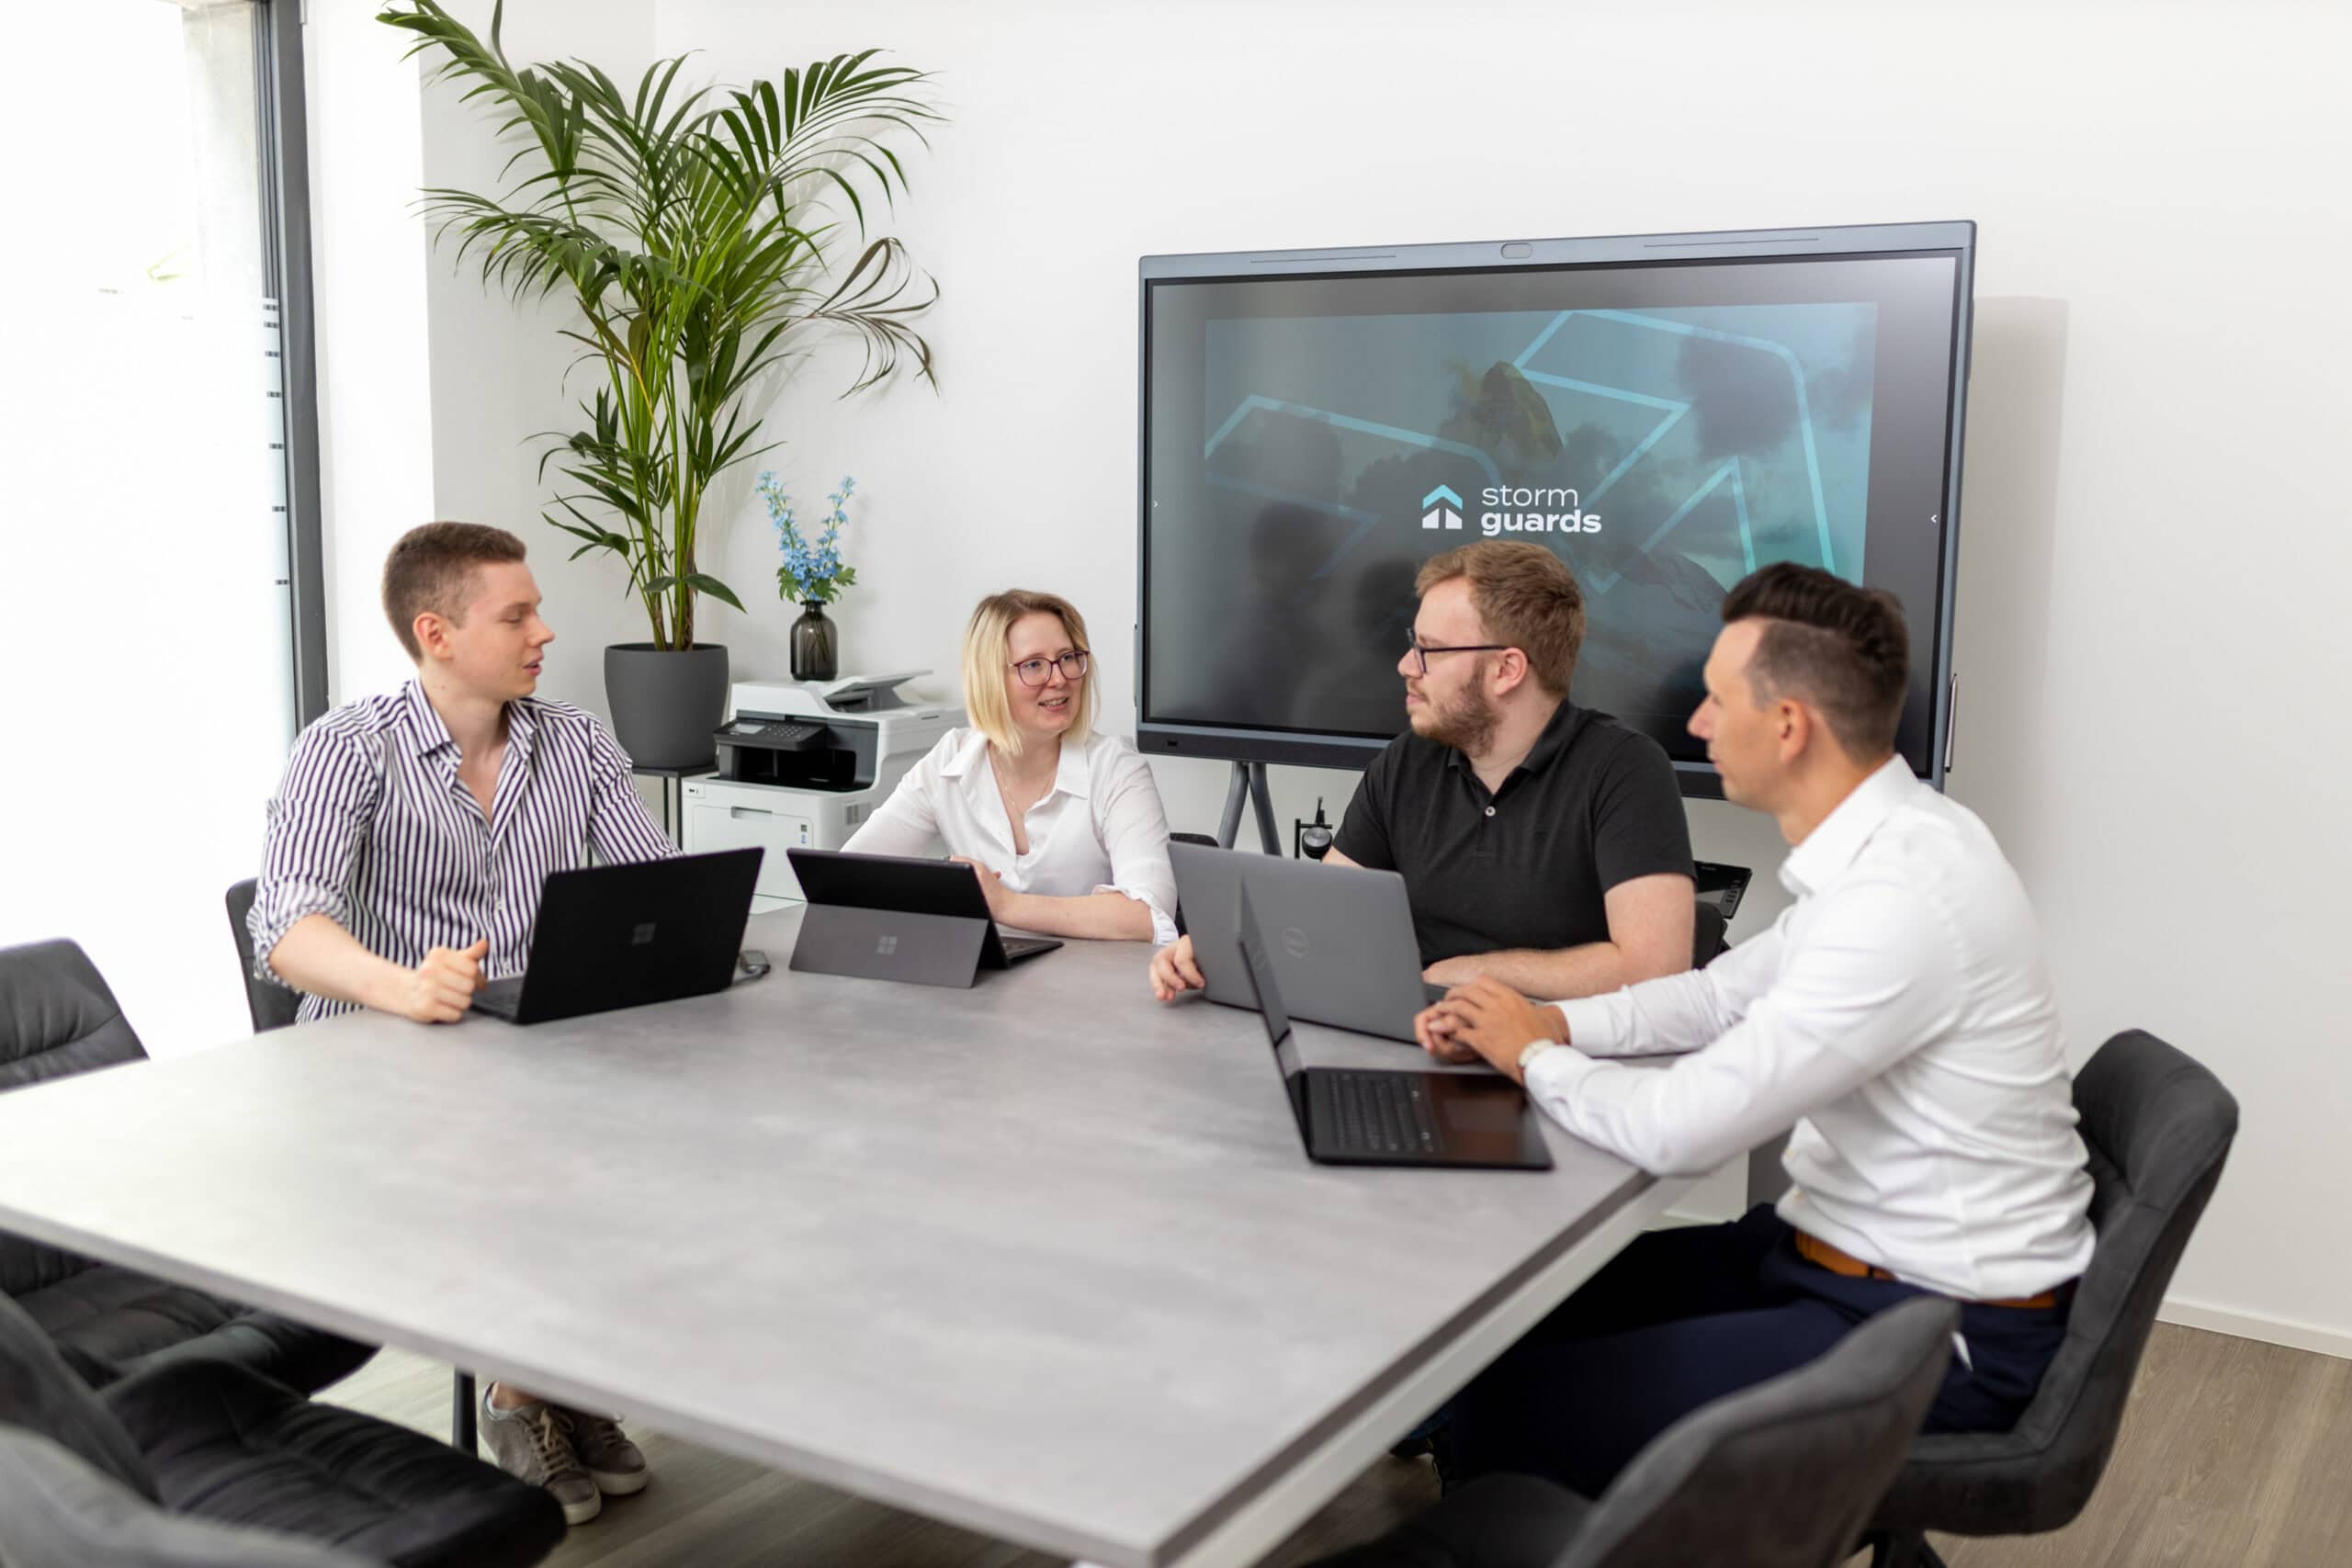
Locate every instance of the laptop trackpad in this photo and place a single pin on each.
(1487, 1121)
(1479, 1115)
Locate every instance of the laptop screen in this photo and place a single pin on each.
(1260, 966)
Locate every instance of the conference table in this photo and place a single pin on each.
(1044, 1258)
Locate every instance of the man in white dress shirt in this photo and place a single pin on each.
(1898, 1014)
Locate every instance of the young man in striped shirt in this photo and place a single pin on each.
(405, 853)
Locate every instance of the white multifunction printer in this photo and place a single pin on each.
(803, 764)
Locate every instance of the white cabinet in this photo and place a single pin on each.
(720, 815)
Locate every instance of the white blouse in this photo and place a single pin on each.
(1099, 830)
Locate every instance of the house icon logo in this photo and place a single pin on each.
(1441, 508)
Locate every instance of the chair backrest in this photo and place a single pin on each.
(1707, 935)
(1206, 841)
(1783, 1475)
(270, 1007)
(2159, 1127)
(40, 1393)
(57, 1018)
(57, 1511)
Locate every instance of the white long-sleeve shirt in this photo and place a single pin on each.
(1099, 830)
(1899, 1015)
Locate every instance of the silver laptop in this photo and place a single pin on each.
(1341, 937)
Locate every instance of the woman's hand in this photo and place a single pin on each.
(991, 885)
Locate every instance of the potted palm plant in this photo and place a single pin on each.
(704, 235)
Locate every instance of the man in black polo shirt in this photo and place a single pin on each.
(1541, 843)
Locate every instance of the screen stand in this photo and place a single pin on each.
(884, 945)
(1250, 781)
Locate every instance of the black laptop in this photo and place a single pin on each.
(1370, 1116)
(621, 936)
(894, 918)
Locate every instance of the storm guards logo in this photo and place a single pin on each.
(1575, 520)
(1441, 508)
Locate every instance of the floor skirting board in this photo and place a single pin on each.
(2246, 1325)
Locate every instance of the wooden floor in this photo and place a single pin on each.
(2234, 1454)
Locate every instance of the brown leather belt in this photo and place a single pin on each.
(1812, 1249)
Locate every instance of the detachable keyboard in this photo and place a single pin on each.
(1023, 946)
(1378, 1112)
(499, 998)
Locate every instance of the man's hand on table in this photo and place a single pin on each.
(1485, 1020)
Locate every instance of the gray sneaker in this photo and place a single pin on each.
(615, 1464)
(533, 1443)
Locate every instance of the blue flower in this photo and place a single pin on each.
(808, 573)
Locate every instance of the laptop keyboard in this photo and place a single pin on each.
(1023, 946)
(1381, 1113)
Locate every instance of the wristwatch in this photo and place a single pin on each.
(1535, 1048)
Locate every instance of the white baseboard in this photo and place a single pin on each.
(2246, 1326)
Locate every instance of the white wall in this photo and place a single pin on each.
(2154, 530)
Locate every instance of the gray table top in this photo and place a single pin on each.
(1043, 1258)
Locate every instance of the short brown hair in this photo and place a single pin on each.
(1840, 647)
(430, 568)
(1528, 598)
(988, 654)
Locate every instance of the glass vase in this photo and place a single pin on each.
(816, 646)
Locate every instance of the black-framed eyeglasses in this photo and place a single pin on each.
(1420, 651)
(1037, 671)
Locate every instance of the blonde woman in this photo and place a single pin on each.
(1063, 826)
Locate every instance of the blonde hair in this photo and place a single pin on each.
(988, 664)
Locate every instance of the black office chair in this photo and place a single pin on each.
(1707, 939)
(58, 1511)
(1206, 841)
(58, 1018)
(2159, 1127)
(215, 1441)
(1781, 1475)
(270, 1006)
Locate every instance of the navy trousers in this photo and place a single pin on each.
(1683, 1317)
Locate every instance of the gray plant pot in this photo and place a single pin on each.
(666, 705)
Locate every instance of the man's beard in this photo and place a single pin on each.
(1468, 721)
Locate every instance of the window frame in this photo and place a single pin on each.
(281, 104)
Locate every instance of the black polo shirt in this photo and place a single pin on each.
(1593, 804)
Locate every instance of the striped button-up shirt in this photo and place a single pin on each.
(372, 828)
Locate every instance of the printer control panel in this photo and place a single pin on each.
(776, 734)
